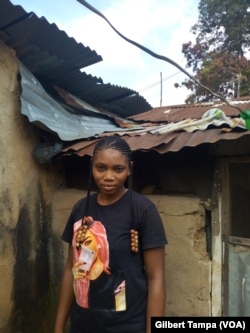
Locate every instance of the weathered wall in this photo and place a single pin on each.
(25, 213)
(188, 268)
(187, 263)
(33, 212)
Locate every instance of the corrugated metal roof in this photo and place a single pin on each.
(41, 46)
(201, 124)
(48, 114)
(73, 120)
(171, 142)
(55, 58)
(176, 113)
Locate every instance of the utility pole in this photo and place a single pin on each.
(161, 90)
(238, 76)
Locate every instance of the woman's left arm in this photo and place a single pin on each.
(154, 260)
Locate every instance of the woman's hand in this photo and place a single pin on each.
(79, 273)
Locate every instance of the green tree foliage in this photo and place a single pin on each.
(218, 58)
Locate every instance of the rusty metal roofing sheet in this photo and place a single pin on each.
(174, 142)
(176, 113)
(56, 60)
(171, 142)
(210, 127)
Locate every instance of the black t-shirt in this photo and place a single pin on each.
(132, 210)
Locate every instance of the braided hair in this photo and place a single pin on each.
(109, 142)
(114, 142)
(117, 143)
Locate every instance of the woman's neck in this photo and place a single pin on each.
(106, 200)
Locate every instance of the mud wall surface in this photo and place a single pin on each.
(25, 214)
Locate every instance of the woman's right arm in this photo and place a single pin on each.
(66, 294)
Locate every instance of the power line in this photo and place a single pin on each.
(157, 83)
(158, 56)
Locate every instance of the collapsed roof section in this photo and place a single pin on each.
(77, 108)
(54, 58)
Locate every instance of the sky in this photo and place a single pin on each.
(159, 25)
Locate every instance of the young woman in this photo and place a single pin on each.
(114, 278)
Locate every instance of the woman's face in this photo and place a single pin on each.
(110, 170)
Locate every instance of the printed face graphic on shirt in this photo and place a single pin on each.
(91, 263)
(89, 251)
(87, 257)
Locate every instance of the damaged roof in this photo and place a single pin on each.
(176, 113)
(54, 58)
(70, 120)
(78, 108)
(172, 128)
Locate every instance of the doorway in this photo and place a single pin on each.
(236, 237)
